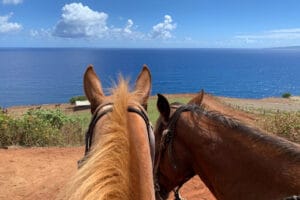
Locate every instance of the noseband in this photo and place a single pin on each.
(103, 110)
(166, 143)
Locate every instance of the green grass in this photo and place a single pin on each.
(77, 98)
(152, 110)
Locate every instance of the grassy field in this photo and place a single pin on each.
(53, 127)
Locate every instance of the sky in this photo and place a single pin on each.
(150, 24)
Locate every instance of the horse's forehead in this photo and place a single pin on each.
(135, 122)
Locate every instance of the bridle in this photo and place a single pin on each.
(103, 110)
(166, 144)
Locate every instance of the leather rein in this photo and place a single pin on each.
(103, 110)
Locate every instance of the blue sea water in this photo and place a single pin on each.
(50, 75)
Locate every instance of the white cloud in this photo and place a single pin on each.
(128, 26)
(78, 20)
(279, 34)
(40, 33)
(128, 32)
(163, 30)
(15, 2)
(6, 26)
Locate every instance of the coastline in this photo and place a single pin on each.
(270, 103)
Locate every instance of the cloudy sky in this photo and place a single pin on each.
(150, 24)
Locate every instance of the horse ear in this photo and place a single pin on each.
(143, 86)
(198, 98)
(163, 107)
(92, 88)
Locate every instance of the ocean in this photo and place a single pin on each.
(31, 76)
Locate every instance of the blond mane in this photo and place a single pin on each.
(106, 172)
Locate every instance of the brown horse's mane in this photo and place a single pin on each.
(256, 135)
(105, 174)
(213, 103)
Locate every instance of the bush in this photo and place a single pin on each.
(35, 131)
(42, 128)
(286, 95)
(5, 137)
(56, 117)
(283, 124)
(77, 98)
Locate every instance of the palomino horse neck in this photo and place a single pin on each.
(117, 163)
(234, 160)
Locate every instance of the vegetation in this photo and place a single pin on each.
(152, 110)
(286, 95)
(40, 127)
(77, 98)
(284, 124)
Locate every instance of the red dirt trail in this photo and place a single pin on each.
(40, 173)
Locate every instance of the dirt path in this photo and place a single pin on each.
(35, 173)
(40, 173)
(269, 104)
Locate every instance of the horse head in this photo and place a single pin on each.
(118, 161)
(173, 162)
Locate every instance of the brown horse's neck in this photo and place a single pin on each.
(140, 163)
(239, 162)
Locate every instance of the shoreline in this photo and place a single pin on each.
(185, 95)
(270, 103)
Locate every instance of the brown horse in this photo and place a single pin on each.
(234, 160)
(117, 164)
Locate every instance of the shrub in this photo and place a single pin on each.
(73, 134)
(56, 117)
(77, 98)
(35, 131)
(286, 95)
(283, 124)
(42, 128)
(5, 137)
